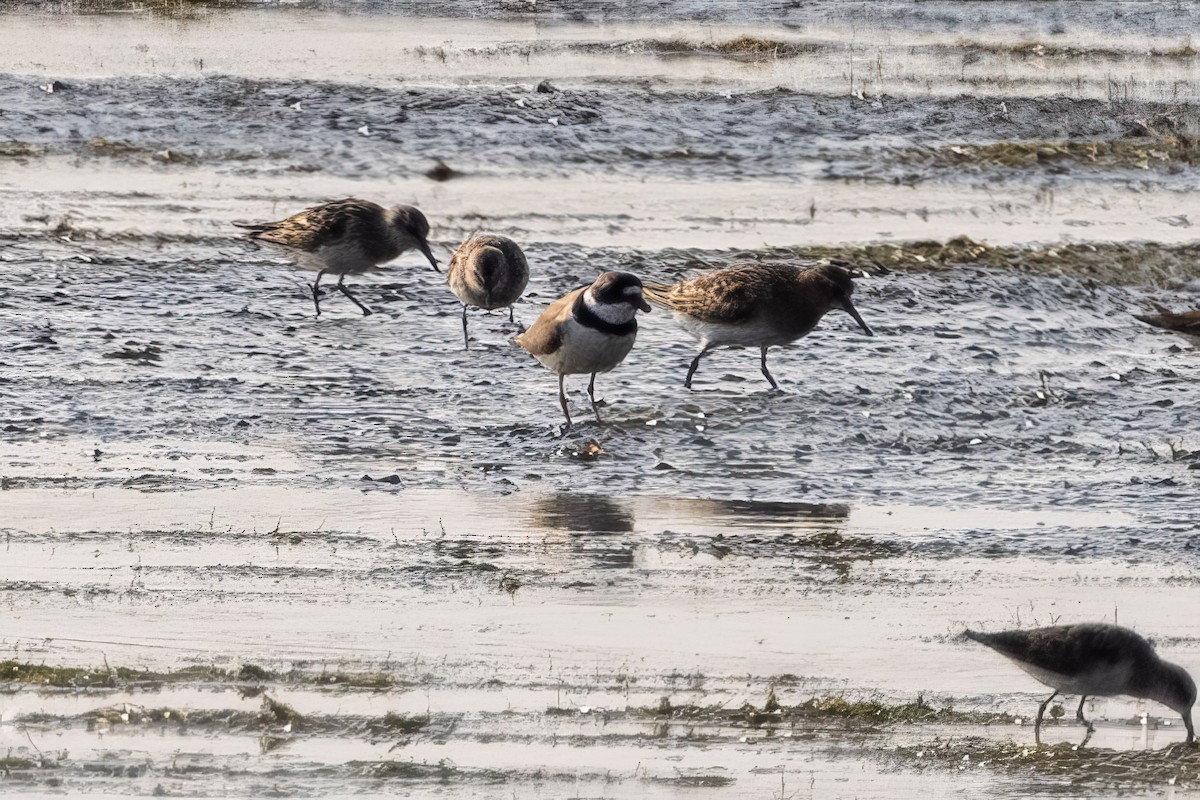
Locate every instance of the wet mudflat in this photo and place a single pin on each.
(248, 552)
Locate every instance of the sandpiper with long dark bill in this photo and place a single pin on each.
(756, 305)
(1094, 659)
(489, 272)
(590, 330)
(345, 237)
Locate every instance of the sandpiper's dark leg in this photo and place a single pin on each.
(766, 372)
(1037, 726)
(466, 341)
(592, 394)
(687, 383)
(1079, 716)
(316, 291)
(562, 401)
(342, 286)
(510, 314)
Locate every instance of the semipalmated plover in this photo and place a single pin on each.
(1094, 659)
(489, 272)
(590, 330)
(756, 305)
(1185, 323)
(345, 237)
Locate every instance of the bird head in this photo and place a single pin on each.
(411, 229)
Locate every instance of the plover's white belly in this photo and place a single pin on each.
(751, 334)
(586, 350)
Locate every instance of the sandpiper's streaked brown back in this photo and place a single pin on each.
(489, 272)
(1094, 659)
(588, 330)
(756, 305)
(345, 237)
(1185, 323)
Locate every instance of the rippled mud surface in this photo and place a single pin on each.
(250, 552)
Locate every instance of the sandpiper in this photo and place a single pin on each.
(1185, 323)
(756, 305)
(345, 237)
(591, 329)
(488, 272)
(1094, 659)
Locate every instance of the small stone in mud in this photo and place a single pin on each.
(588, 450)
(441, 172)
(545, 87)
(54, 86)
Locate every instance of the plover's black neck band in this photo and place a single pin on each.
(590, 319)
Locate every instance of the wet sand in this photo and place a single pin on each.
(302, 557)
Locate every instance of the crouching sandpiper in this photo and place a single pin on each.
(345, 237)
(756, 305)
(488, 272)
(590, 330)
(1094, 659)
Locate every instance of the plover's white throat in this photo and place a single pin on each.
(345, 237)
(1184, 323)
(590, 330)
(489, 272)
(756, 305)
(1094, 659)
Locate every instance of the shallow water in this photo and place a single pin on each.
(195, 470)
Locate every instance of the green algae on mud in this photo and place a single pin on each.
(1176, 765)
(1111, 263)
(823, 708)
(23, 673)
(1151, 151)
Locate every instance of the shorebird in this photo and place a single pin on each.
(489, 272)
(756, 305)
(345, 237)
(591, 329)
(1185, 323)
(1094, 659)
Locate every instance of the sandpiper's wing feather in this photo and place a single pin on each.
(729, 296)
(545, 334)
(1185, 322)
(321, 226)
(1068, 649)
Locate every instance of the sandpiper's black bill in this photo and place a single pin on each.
(429, 254)
(641, 304)
(852, 311)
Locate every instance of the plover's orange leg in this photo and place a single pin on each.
(592, 394)
(562, 400)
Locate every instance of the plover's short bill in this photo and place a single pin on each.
(488, 272)
(345, 237)
(590, 330)
(1094, 659)
(1185, 323)
(756, 305)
